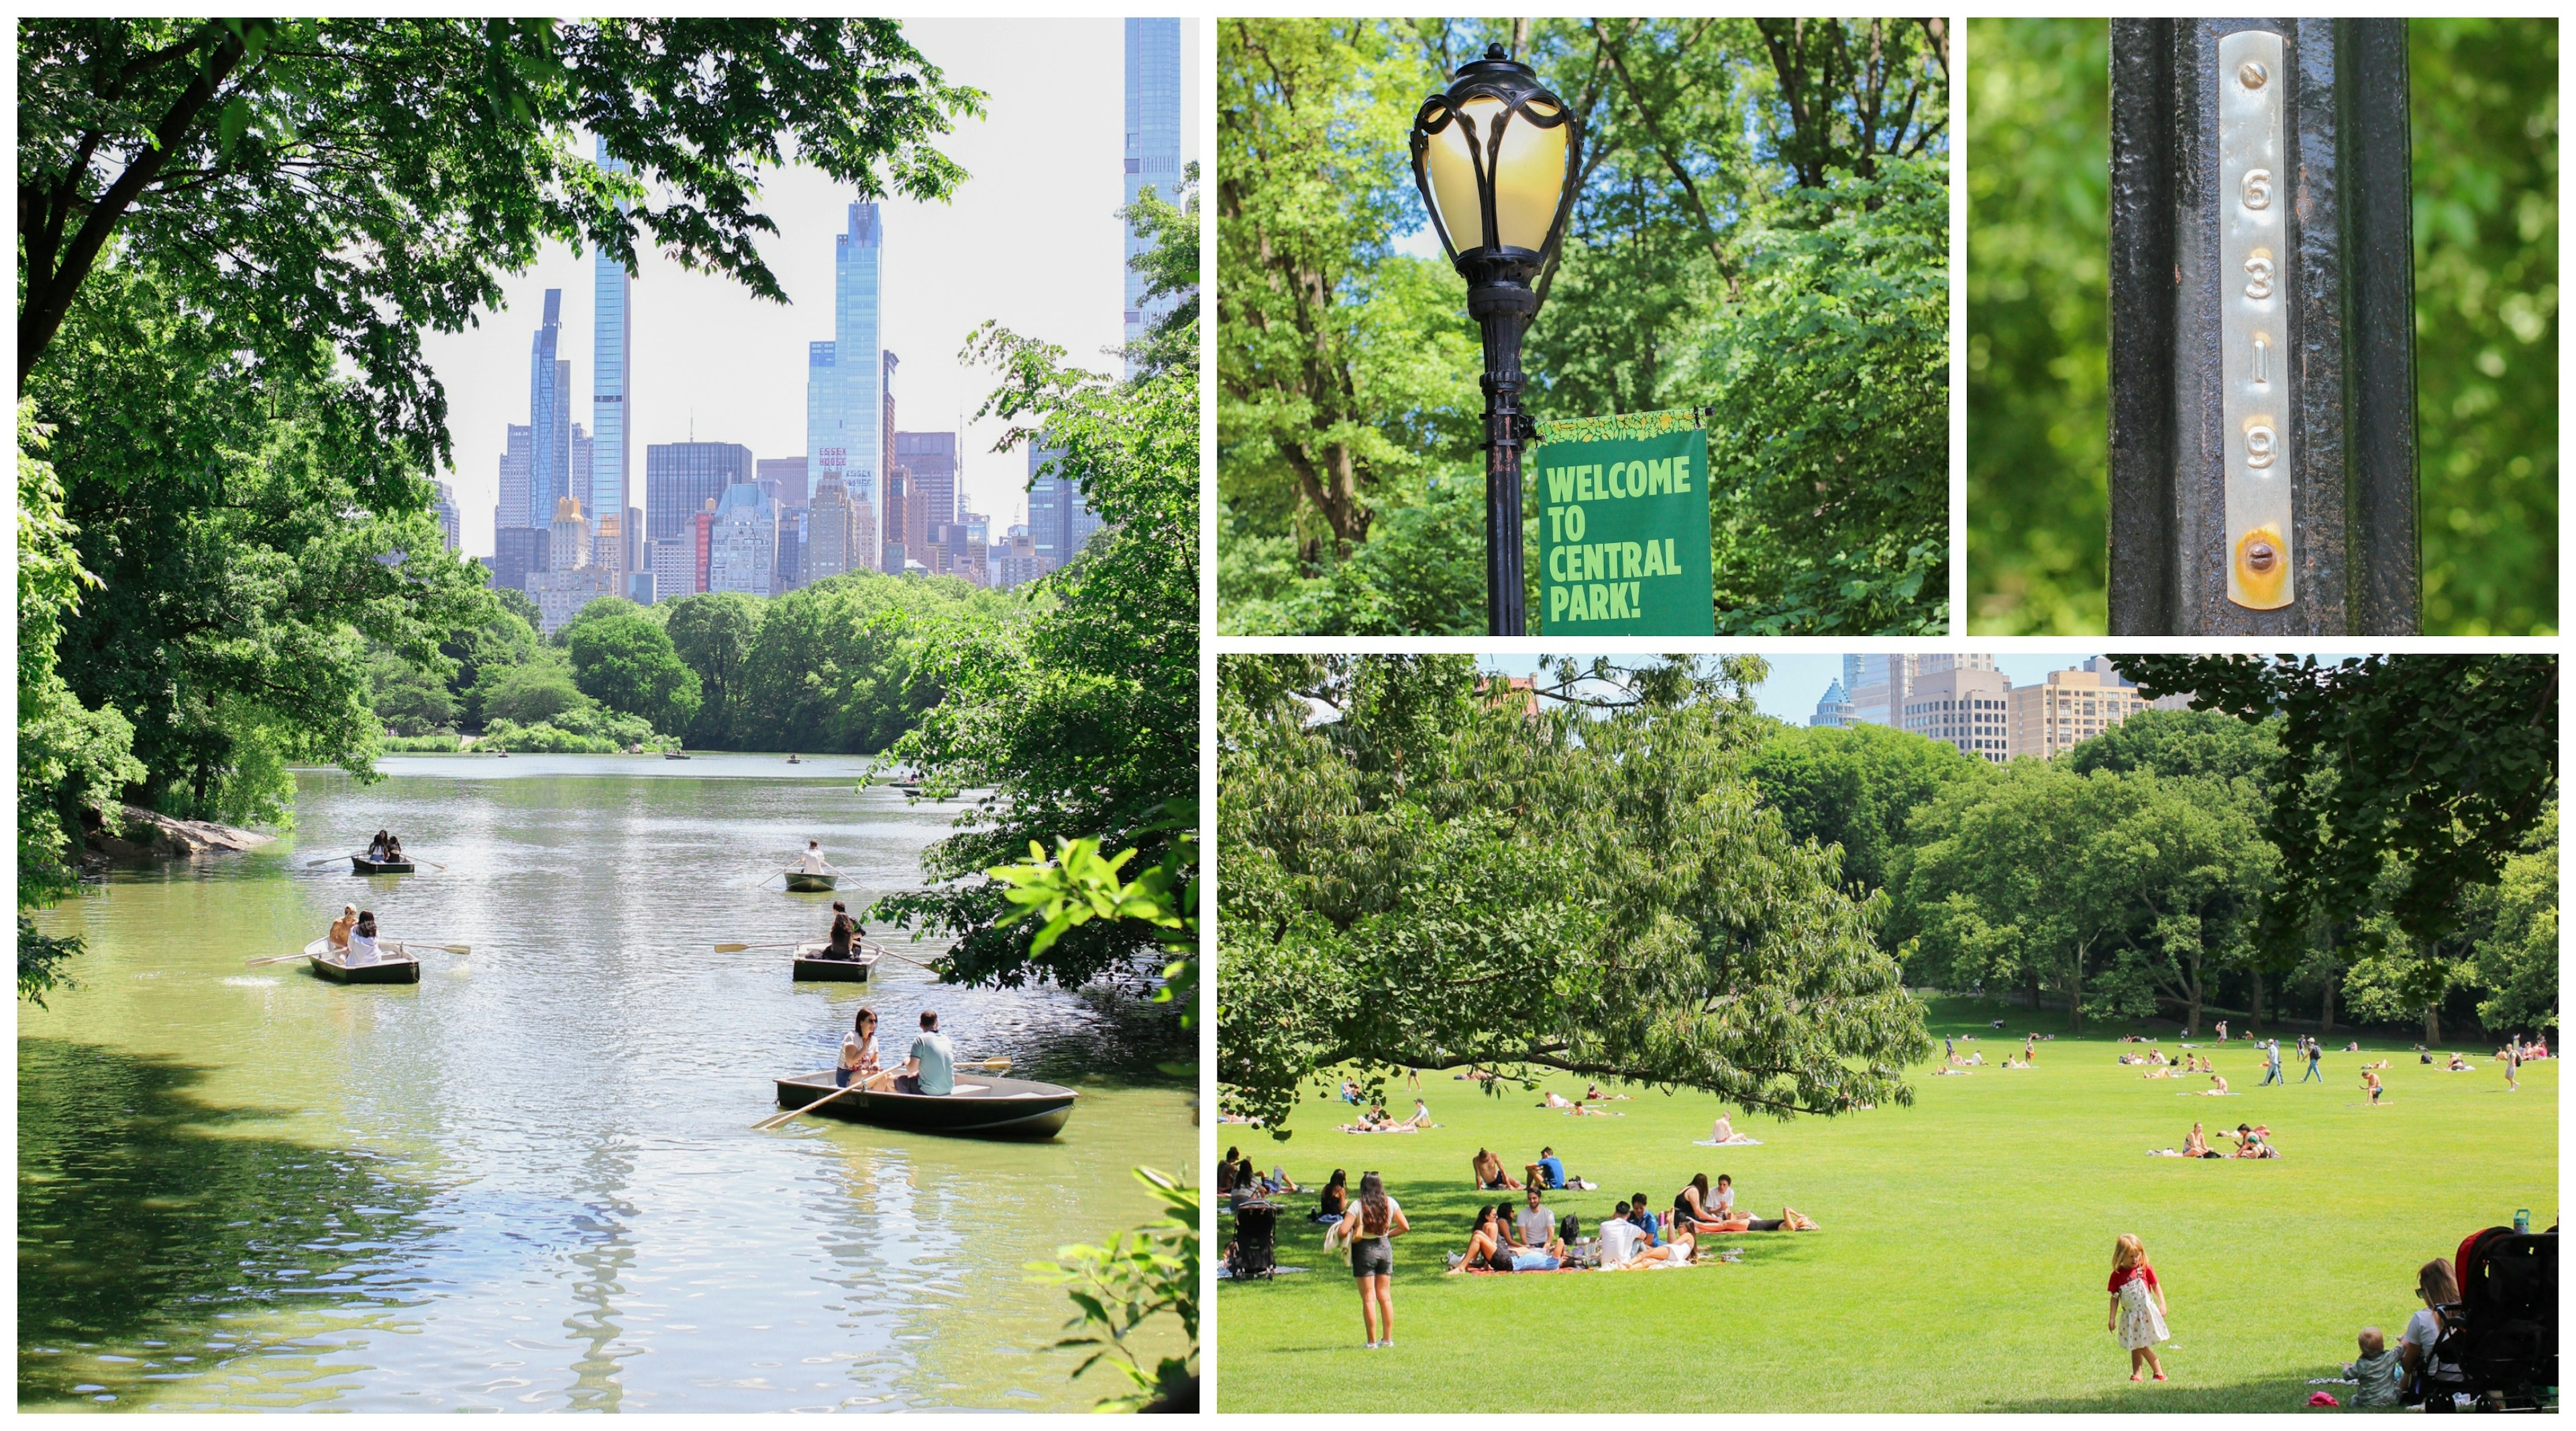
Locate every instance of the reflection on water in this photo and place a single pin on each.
(530, 1180)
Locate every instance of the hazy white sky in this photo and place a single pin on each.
(1031, 239)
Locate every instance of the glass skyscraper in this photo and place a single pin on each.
(611, 361)
(844, 437)
(549, 417)
(1060, 521)
(1153, 144)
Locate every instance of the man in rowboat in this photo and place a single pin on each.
(812, 861)
(932, 1067)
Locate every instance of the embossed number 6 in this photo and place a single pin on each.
(2258, 188)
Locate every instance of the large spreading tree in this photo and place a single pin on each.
(1420, 867)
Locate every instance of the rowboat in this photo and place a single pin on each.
(360, 864)
(799, 882)
(981, 1106)
(673, 755)
(388, 968)
(811, 965)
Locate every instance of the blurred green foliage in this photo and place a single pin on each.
(2485, 121)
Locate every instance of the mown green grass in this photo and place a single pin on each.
(1966, 1241)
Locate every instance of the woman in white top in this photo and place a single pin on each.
(2434, 1285)
(859, 1062)
(362, 941)
(812, 862)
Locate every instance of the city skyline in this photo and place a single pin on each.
(711, 363)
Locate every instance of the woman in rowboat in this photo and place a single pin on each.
(376, 848)
(362, 941)
(846, 934)
(812, 861)
(859, 1060)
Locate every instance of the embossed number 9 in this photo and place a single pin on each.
(2258, 188)
(2258, 445)
(2258, 274)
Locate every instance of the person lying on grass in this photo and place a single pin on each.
(2254, 1143)
(1677, 1252)
(1490, 1176)
(2458, 1065)
(1555, 1099)
(1592, 1094)
(1789, 1220)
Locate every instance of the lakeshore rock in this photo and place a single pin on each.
(148, 834)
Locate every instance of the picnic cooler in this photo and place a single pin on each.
(1256, 1240)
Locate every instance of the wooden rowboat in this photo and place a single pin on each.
(811, 965)
(981, 1107)
(799, 882)
(388, 969)
(360, 864)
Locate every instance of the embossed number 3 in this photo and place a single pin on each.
(2258, 276)
(2258, 188)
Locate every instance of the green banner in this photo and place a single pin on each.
(1623, 526)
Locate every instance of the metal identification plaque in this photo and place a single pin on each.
(2253, 283)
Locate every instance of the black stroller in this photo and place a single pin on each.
(1256, 1241)
(2503, 1332)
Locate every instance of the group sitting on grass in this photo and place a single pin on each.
(2410, 1373)
(1377, 1120)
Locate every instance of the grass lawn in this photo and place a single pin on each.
(1965, 1240)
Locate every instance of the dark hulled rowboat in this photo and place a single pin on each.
(981, 1107)
(811, 965)
(799, 882)
(398, 969)
(360, 864)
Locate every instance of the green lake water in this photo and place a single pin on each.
(530, 1181)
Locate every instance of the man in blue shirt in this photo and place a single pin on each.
(1547, 1172)
(932, 1068)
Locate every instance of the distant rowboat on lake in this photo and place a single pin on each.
(360, 864)
(799, 882)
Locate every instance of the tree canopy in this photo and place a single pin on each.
(1421, 868)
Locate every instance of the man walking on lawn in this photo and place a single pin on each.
(2271, 1064)
(2316, 1051)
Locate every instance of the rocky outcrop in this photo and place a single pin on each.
(146, 834)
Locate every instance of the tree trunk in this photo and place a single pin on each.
(2432, 1025)
(2031, 978)
(2327, 1024)
(2257, 1003)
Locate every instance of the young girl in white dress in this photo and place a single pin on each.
(2137, 1305)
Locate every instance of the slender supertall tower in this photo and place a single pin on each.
(1153, 145)
(859, 349)
(611, 363)
(549, 417)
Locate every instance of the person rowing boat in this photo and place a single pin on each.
(846, 934)
(812, 861)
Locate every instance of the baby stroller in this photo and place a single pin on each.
(1256, 1241)
(2503, 1332)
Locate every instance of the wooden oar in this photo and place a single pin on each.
(738, 948)
(989, 1065)
(450, 948)
(328, 860)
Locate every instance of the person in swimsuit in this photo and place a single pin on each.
(338, 939)
(1490, 1176)
(1482, 1244)
(2197, 1145)
(845, 934)
(1374, 1222)
(2370, 1082)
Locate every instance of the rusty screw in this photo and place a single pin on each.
(2252, 74)
(2259, 558)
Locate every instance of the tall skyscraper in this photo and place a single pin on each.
(549, 417)
(1153, 144)
(514, 506)
(902, 522)
(832, 544)
(612, 361)
(679, 477)
(1060, 521)
(451, 522)
(859, 348)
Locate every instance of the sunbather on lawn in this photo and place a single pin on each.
(1676, 1252)
(1789, 1220)
(1490, 1176)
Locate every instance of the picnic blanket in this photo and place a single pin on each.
(1736, 1142)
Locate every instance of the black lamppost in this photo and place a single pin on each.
(1496, 158)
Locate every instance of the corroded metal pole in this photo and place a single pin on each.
(2262, 329)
